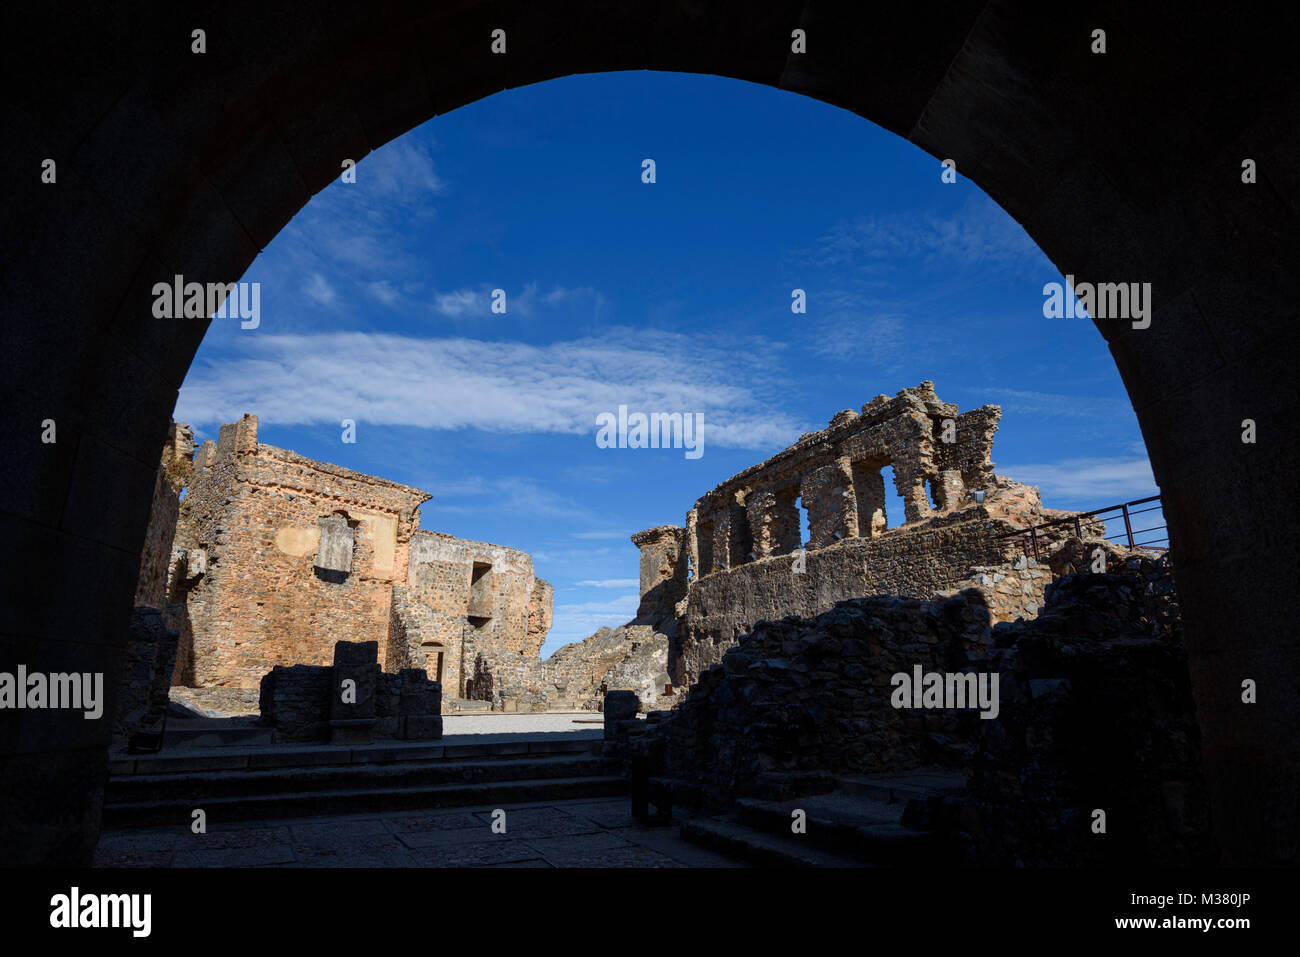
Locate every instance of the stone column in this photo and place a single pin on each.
(722, 539)
(949, 489)
(760, 509)
(740, 539)
(911, 486)
(832, 506)
(869, 490)
(787, 524)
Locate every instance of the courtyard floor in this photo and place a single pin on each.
(580, 833)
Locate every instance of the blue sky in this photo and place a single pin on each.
(671, 296)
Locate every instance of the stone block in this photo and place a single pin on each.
(422, 727)
(351, 731)
(620, 705)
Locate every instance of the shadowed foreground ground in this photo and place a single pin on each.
(579, 833)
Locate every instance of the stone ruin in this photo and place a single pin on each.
(1095, 710)
(278, 557)
(741, 558)
(577, 676)
(272, 559)
(316, 703)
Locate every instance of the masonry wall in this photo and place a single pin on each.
(251, 530)
(632, 657)
(917, 563)
(1095, 711)
(741, 559)
(835, 475)
(465, 599)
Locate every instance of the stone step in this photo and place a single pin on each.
(206, 785)
(728, 836)
(215, 737)
(366, 801)
(902, 786)
(866, 829)
(459, 748)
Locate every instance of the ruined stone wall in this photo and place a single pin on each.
(663, 575)
(836, 474)
(303, 703)
(805, 694)
(156, 555)
(278, 557)
(541, 613)
(261, 523)
(1097, 713)
(470, 599)
(910, 562)
(632, 657)
(148, 660)
(740, 558)
(1094, 712)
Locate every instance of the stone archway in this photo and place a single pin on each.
(1124, 166)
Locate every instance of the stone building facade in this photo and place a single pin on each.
(278, 557)
(741, 557)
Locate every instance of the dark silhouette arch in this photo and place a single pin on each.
(1123, 166)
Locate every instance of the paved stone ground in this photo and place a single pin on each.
(498, 723)
(579, 833)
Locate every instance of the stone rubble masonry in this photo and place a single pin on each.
(277, 557)
(663, 575)
(304, 703)
(734, 564)
(152, 637)
(633, 658)
(150, 656)
(464, 599)
(1095, 711)
(155, 557)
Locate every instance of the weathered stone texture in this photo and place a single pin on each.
(146, 675)
(576, 677)
(278, 557)
(743, 539)
(155, 556)
(304, 702)
(663, 575)
(1095, 711)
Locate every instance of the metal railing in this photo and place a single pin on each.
(1125, 513)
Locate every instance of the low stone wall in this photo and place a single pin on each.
(306, 702)
(1010, 592)
(802, 694)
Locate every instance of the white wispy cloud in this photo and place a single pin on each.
(459, 302)
(385, 292)
(513, 387)
(977, 235)
(318, 289)
(609, 583)
(1091, 481)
